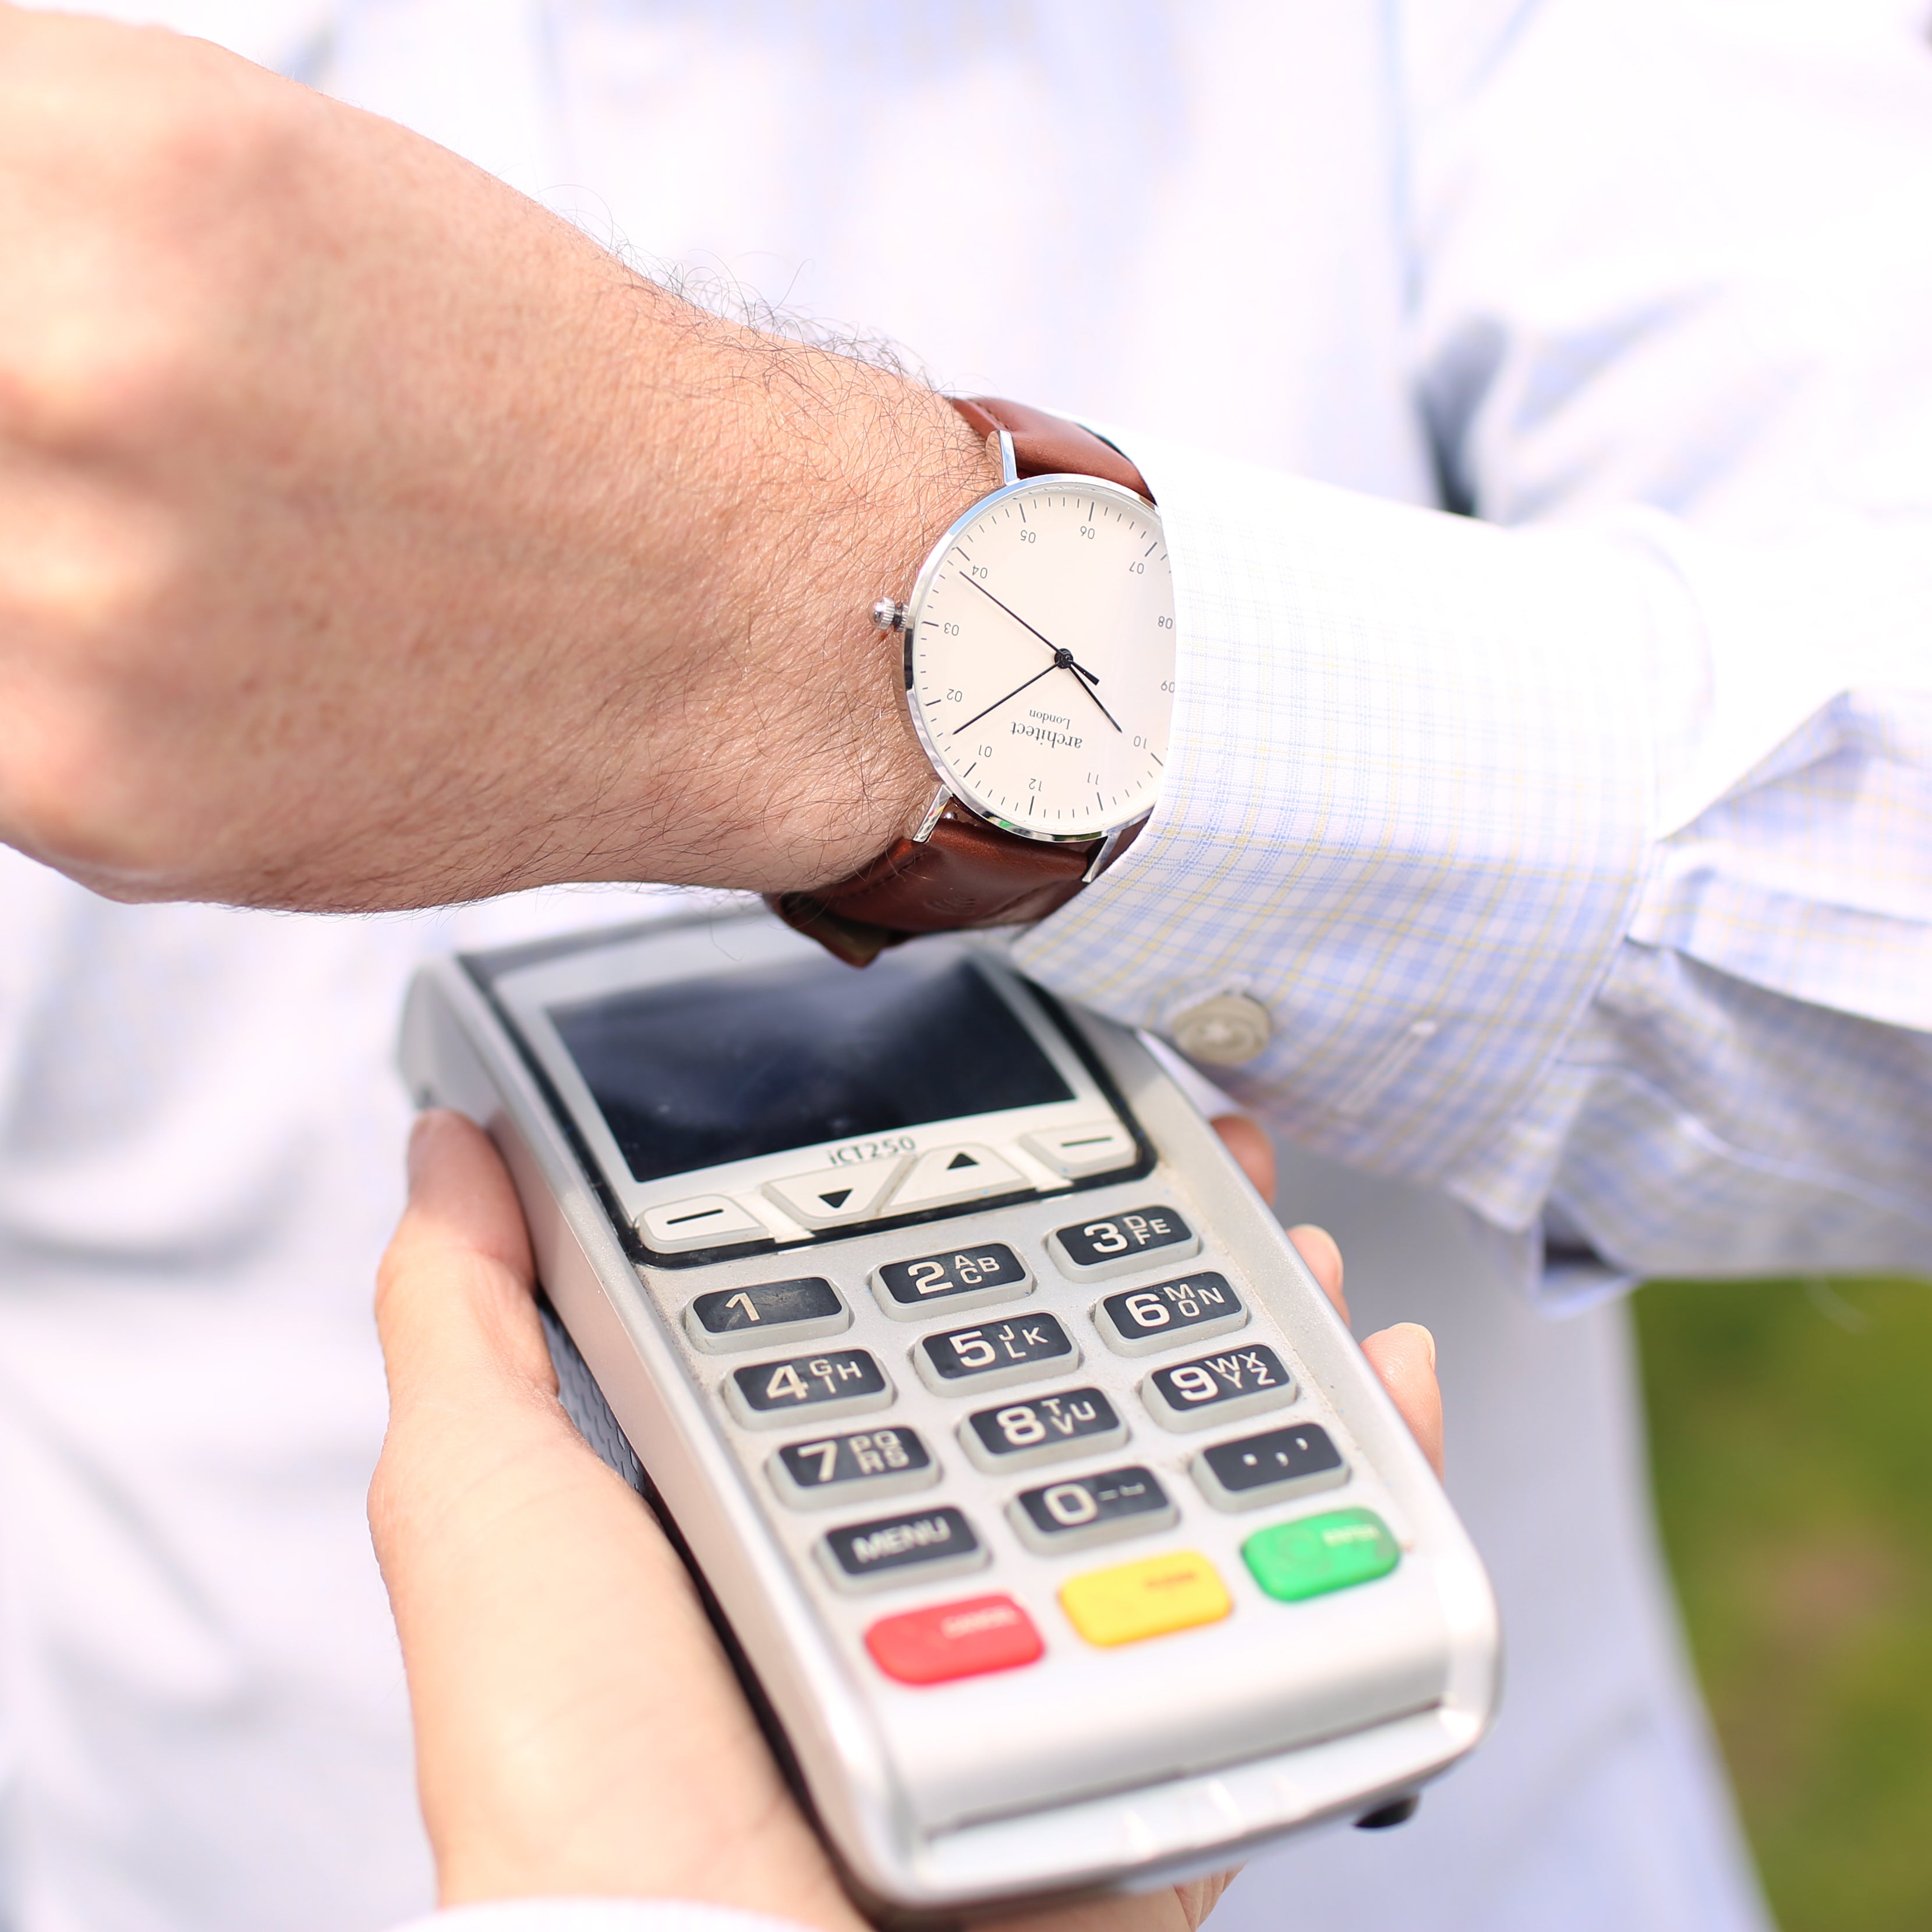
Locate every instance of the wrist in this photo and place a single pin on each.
(791, 487)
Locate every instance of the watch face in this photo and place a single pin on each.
(1040, 657)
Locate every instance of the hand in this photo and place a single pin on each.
(578, 1729)
(368, 537)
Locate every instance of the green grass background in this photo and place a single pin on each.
(1791, 1434)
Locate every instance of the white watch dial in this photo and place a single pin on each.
(1040, 657)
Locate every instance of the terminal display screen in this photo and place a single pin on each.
(697, 1072)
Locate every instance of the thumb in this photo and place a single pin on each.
(453, 1304)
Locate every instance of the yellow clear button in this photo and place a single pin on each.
(1133, 1600)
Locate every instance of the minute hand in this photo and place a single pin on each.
(1062, 659)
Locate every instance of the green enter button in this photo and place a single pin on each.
(1317, 1554)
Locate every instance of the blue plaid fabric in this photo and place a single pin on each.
(1582, 855)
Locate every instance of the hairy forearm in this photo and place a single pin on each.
(369, 538)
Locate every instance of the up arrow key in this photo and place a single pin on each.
(950, 1173)
(823, 1199)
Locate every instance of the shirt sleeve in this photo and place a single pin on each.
(597, 1915)
(1579, 847)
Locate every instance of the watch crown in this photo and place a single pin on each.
(889, 614)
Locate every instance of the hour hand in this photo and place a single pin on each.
(1014, 693)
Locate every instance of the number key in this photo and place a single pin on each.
(841, 1382)
(1139, 1320)
(730, 1318)
(963, 1361)
(968, 1277)
(1091, 1250)
(1087, 1510)
(1017, 1435)
(1241, 1381)
(836, 1469)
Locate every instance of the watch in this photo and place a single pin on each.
(1040, 652)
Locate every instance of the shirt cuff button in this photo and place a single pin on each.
(1223, 1031)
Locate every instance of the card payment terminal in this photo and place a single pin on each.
(1066, 1535)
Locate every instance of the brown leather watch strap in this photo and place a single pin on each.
(1045, 445)
(967, 872)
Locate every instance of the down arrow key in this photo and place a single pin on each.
(831, 1197)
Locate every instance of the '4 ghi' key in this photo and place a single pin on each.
(839, 1382)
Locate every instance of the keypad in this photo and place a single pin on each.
(1213, 1389)
(951, 1640)
(1083, 1510)
(917, 1522)
(1042, 1428)
(1022, 1347)
(894, 1549)
(1091, 1250)
(1259, 1469)
(1137, 1320)
(776, 1311)
(956, 1279)
(833, 1470)
(837, 1381)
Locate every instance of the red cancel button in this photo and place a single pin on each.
(960, 1639)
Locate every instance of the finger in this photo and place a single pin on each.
(578, 1728)
(1316, 1246)
(1249, 1145)
(1177, 1908)
(1404, 1356)
(453, 1294)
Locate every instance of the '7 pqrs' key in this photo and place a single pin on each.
(837, 1381)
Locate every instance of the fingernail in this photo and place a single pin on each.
(419, 1133)
(1430, 1339)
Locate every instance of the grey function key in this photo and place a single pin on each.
(960, 1279)
(836, 1381)
(1023, 1347)
(766, 1314)
(834, 1470)
(909, 1548)
(1243, 1380)
(1269, 1469)
(1042, 1428)
(1117, 1243)
(1137, 1320)
(1085, 1510)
